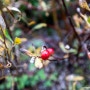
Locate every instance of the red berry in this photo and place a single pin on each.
(45, 55)
(51, 51)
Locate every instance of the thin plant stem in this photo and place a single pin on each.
(6, 24)
(70, 20)
(6, 51)
(15, 57)
(74, 30)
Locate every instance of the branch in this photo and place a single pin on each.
(72, 25)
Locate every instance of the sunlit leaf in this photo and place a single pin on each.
(84, 4)
(6, 2)
(61, 45)
(10, 9)
(38, 63)
(71, 50)
(46, 62)
(74, 51)
(39, 26)
(88, 19)
(38, 50)
(81, 54)
(14, 9)
(27, 52)
(1, 49)
(43, 5)
(31, 23)
(7, 35)
(1, 38)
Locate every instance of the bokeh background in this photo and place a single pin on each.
(63, 25)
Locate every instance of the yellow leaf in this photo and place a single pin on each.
(1, 49)
(84, 4)
(27, 52)
(1, 38)
(7, 2)
(46, 62)
(38, 63)
(39, 26)
(31, 23)
(38, 50)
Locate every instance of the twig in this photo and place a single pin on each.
(6, 51)
(6, 24)
(72, 25)
(71, 22)
(10, 34)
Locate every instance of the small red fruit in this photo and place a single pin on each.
(51, 51)
(45, 55)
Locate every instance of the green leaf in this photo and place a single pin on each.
(34, 80)
(34, 2)
(9, 82)
(88, 19)
(75, 44)
(9, 78)
(21, 86)
(38, 42)
(48, 83)
(7, 35)
(15, 79)
(62, 46)
(81, 54)
(18, 15)
(31, 67)
(53, 76)
(24, 78)
(23, 57)
(41, 74)
(8, 85)
(74, 51)
(18, 32)
(22, 81)
(22, 8)
(2, 87)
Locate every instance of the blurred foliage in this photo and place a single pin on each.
(35, 24)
